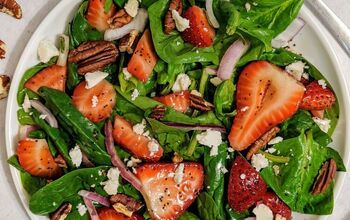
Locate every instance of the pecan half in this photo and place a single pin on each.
(199, 103)
(11, 7)
(325, 177)
(120, 19)
(128, 42)
(60, 161)
(4, 86)
(93, 55)
(261, 142)
(158, 112)
(62, 212)
(169, 23)
(177, 158)
(2, 49)
(125, 204)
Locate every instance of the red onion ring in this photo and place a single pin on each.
(196, 127)
(94, 197)
(287, 35)
(116, 161)
(210, 70)
(24, 130)
(231, 57)
(91, 209)
(50, 118)
(210, 13)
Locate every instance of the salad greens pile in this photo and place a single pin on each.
(304, 145)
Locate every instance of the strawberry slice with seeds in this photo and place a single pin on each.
(245, 186)
(317, 98)
(200, 33)
(96, 15)
(139, 145)
(266, 96)
(111, 214)
(53, 77)
(169, 188)
(35, 158)
(277, 206)
(95, 103)
(180, 101)
(144, 58)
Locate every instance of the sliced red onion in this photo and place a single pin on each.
(49, 117)
(95, 197)
(91, 209)
(231, 57)
(116, 161)
(24, 130)
(86, 161)
(287, 35)
(62, 57)
(210, 71)
(138, 23)
(210, 14)
(196, 127)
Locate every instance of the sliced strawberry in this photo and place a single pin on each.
(168, 192)
(144, 58)
(180, 101)
(200, 33)
(245, 186)
(266, 96)
(317, 113)
(317, 98)
(138, 145)
(53, 76)
(276, 205)
(95, 103)
(96, 15)
(110, 214)
(35, 158)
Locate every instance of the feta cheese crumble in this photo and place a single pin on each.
(140, 127)
(94, 78)
(306, 76)
(323, 124)
(259, 162)
(210, 138)
(47, 50)
(263, 212)
(215, 81)
(135, 93)
(322, 83)
(271, 150)
(179, 173)
(94, 101)
(180, 22)
(133, 162)
(275, 140)
(247, 6)
(182, 83)
(81, 209)
(42, 116)
(132, 7)
(153, 146)
(76, 155)
(126, 74)
(26, 103)
(112, 184)
(279, 217)
(276, 169)
(222, 168)
(296, 69)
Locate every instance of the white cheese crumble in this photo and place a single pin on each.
(94, 101)
(112, 184)
(153, 94)
(132, 7)
(259, 162)
(296, 69)
(271, 150)
(47, 50)
(215, 81)
(126, 74)
(81, 209)
(323, 124)
(76, 155)
(245, 108)
(276, 169)
(322, 83)
(275, 140)
(180, 22)
(195, 92)
(230, 150)
(211, 139)
(94, 78)
(242, 176)
(263, 212)
(222, 169)
(26, 103)
(306, 76)
(279, 217)
(133, 162)
(247, 6)
(139, 128)
(153, 146)
(179, 173)
(42, 116)
(182, 83)
(135, 93)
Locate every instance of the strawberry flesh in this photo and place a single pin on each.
(111, 214)
(276, 205)
(317, 98)
(96, 15)
(180, 101)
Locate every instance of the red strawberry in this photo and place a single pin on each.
(96, 15)
(137, 144)
(110, 214)
(266, 96)
(317, 113)
(168, 193)
(53, 76)
(276, 205)
(35, 158)
(200, 33)
(180, 101)
(245, 186)
(317, 98)
(144, 58)
(95, 103)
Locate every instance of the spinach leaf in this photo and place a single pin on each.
(295, 180)
(236, 215)
(188, 216)
(32, 184)
(121, 3)
(13, 161)
(223, 101)
(107, 5)
(24, 118)
(72, 76)
(207, 208)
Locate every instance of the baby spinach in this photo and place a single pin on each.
(223, 101)
(188, 216)
(24, 118)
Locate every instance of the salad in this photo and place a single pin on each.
(177, 109)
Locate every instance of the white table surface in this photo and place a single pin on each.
(16, 33)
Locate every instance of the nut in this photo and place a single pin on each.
(93, 56)
(60, 161)
(199, 103)
(169, 23)
(261, 142)
(125, 204)
(325, 177)
(62, 212)
(128, 42)
(2, 49)
(120, 19)
(11, 7)
(177, 158)
(158, 112)
(4, 86)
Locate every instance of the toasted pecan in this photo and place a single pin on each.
(2, 49)
(125, 204)
(128, 42)
(4, 86)
(120, 19)
(158, 112)
(11, 7)
(62, 212)
(325, 177)
(199, 103)
(169, 23)
(261, 142)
